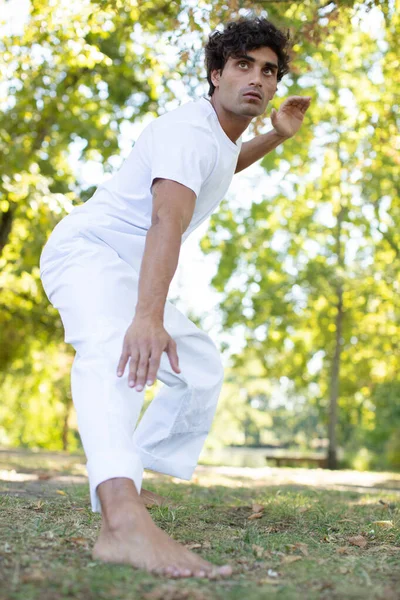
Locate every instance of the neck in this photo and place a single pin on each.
(233, 125)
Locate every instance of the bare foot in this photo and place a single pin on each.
(139, 542)
(152, 499)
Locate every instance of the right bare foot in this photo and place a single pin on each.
(139, 542)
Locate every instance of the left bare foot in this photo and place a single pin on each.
(152, 499)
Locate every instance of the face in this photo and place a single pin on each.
(253, 72)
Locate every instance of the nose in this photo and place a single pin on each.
(256, 77)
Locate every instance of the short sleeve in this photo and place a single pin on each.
(183, 152)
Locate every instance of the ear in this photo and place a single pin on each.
(215, 77)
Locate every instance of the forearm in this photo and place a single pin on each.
(258, 147)
(159, 263)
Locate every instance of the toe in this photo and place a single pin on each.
(225, 571)
(199, 573)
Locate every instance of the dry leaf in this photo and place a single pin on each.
(302, 547)
(191, 546)
(383, 524)
(342, 550)
(258, 550)
(33, 576)
(43, 476)
(61, 492)
(344, 570)
(207, 544)
(257, 508)
(255, 516)
(79, 540)
(303, 509)
(286, 560)
(358, 540)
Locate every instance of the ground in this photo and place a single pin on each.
(288, 533)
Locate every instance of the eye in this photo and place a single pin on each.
(242, 62)
(268, 69)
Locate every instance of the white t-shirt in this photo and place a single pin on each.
(187, 145)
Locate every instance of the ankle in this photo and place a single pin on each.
(120, 503)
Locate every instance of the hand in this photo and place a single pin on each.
(145, 341)
(290, 115)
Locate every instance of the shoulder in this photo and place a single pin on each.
(190, 118)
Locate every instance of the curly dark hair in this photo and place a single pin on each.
(241, 35)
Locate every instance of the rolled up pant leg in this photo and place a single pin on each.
(95, 292)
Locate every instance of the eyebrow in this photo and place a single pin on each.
(253, 60)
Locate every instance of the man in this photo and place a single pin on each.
(107, 268)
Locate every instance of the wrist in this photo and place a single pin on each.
(146, 313)
(281, 136)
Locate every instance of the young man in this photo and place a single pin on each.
(107, 268)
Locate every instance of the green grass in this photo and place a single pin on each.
(299, 548)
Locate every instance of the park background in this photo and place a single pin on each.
(295, 277)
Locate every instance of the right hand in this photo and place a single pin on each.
(144, 342)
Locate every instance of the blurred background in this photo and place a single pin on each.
(295, 277)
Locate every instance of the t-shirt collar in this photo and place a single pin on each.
(234, 145)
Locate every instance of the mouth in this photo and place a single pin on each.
(253, 96)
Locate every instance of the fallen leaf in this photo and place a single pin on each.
(342, 550)
(43, 476)
(286, 560)
(389, 505)
(303, 509)
(383, 524)
(33, 576)
(191, 546)
(257, 508)
(258, 550)
(302, 547)
(255, 516)
(344, 570)
(358, 540)
(207, 544)
(81, 541)
(61, 493)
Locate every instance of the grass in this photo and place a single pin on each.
(305, 542)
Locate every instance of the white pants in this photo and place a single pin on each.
(95, 292)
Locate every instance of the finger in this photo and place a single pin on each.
(122, 362)
(133, 367)
(154, 364)
(173, 356)
(142, 370)
(273, 116)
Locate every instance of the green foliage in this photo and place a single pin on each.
(330, 232)
(79, 73)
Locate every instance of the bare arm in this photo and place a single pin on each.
(146, 339)
(173, 206)
(286, 122)
(258, 147)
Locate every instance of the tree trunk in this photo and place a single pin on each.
(334, 391)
